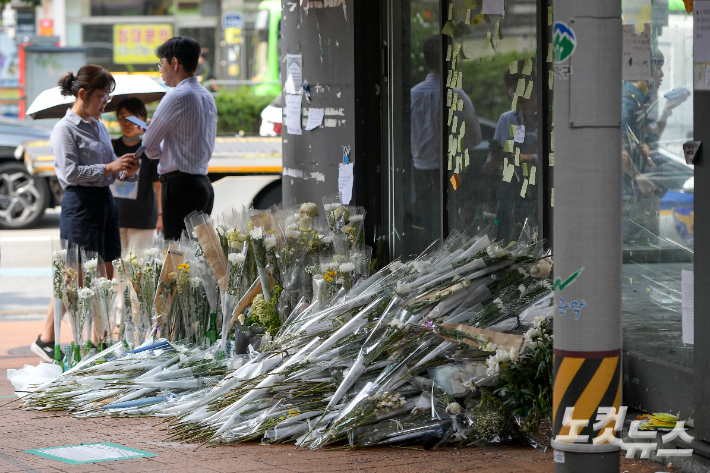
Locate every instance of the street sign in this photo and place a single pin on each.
(232, 19)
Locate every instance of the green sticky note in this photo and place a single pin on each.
(552, 159)
(552, 140)
(533, 172)
(509, 146)
(451, 116)
(468, 17)
(448, 53)
(458, 164)
(528, 91)
(550, 12)
(459, 105)
(455, 124)
(459, 149)
(512, 129)
(459, 80)
(448, 97)
(551, 80)
(552, 197)
(449, 29)
(524, 190)
(549, 52)
(448, 79)
(451, 161)
(514, 104)
(513, 67)
(462, 131)
(466, 159)
(451, 11)
(453, 102)
(525, 169)
(517, 156)
(527, 68)
(470, 4)
(520, 89)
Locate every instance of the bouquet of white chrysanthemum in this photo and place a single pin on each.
(91, 268)
(338, 215)
(105, 292)
(257, 242)
(59, 261)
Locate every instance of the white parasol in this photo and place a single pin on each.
(52, 104)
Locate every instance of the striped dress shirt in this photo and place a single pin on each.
(186, 122)
(81, 149)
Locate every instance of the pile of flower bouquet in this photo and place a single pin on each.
(266, 325)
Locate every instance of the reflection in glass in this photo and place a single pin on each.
(657, 198)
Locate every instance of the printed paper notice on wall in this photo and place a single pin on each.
(345, 182)
(293, 114)
(636, 53)
(293, 74)
(688, 305)
(315, 118)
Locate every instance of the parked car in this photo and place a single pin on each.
(271, 117)
(23, 197)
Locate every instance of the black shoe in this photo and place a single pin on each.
(43, 350)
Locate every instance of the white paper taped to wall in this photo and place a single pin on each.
(293, 74)
(345, 182)
(293, 114)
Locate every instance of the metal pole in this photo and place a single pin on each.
(587, 230)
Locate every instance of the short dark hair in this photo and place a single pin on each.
(432, 52)
(90, 77)
(132, 105)
(185, 49)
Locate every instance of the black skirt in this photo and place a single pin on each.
(90, 219)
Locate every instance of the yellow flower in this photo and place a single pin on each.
(330, 279)
(184, 267)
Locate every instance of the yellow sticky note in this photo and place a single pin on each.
(549, 16)
(487, 41)
(529, 90)
(468, 17)
(552, 197)
(513, 67)
(524, 190)
(466, 159)
(448, 79)
(533, 172)
(527, 68)
(451, 163)
(517, 156)
(549, 52)
(525, 169)
(509, 146)
(452, 145)
(496, 32)
(459, 80)
(470, 4)
(477, 20)
(459, 163)
(448, 54)
(512, 129)
(459, 105)
(451, 116)
(520, 89)
(552, 140)
(448, 97)
(459, 148)
(552, 159)
(514, 105)
(508, 172)
(462, 131)
(456, 99)
(451, 12)
(551, 80)
(455, 124)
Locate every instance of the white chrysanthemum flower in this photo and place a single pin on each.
(546, 283)
(453, 408)
(403, 288)
(493, 367)
(347, 267)
(522, 288)
(232, 257)
(223, 226)
(513, 355)
(395, 266)
(267, 336)
(160, 262)
(114, 282)
(539, 320)
(329, 266)
(499, 303)
(327, 239)
(241, 319)
(150, 252)
(356, 218)
(91, 264)
(397, 324)
(257, 233)
(532, 333)
(270, 242)
(291, 233)
(195, 282)
(59, 254)
(310, 209)
(237, 258)
(85, 293)
(194, 235)
(331, 207)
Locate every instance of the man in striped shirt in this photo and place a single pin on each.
(182, 135)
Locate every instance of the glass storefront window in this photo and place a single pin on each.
(132, 7)
(657, 226)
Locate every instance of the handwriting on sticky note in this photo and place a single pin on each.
(511, 129)
(551, 80)
(520, 89)
(451, 115)
(533, 173)
(455, 99)
(448, 97)
(509, 146)
(529, 90)
(552, 197)
(525, 169)
(459, 81)
(514, 103)
(448, 79)
(451, 160)
(552, 159)
(468, 17)
(520, 133)
(549, 15)
(513, 67)
(459, 105)
(458, 164)
(524, 190)
(527, 68)
(517, 156)
(455, 124)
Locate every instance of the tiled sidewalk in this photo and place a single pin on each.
(24, 430)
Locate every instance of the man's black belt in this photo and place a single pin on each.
(170, 175)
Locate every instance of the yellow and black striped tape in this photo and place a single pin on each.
(585, 380)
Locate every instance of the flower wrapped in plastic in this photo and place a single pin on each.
(59, 261)
(106, 292)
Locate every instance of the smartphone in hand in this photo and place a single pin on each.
(140, 152)
(137, 121)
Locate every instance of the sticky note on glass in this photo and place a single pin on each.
(525, 169)
(517, 156)
(487, 41)
(477, 20)
(519, 134)
(520, 89)
(514, 104)
(551, 161)
(551, 80)
(496, 32)
(448, 54)
(456, 99)
(552, 140)
(448, 79)
(550, 11)
(508, 172)
(509, 146)
(549, 52)
(470, 4)
(552, 197)
(455, 124)
(459, 81)
(468, 17)
(449, 29)
(524, 190)
(527, 68)
(459, 105)
(451, 116)
(448, 97)
(459, 149)
(452, 145)
(513, 67)
(466, 159)
(451, 12)
(458, 164)
(512, 128)
(462, 131)
(528, 91)
(451, 162)
(533, 172)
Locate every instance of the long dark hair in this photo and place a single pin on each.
(89, 78)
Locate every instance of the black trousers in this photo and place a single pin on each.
(182, 194)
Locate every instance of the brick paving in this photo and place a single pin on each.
(24, 430)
